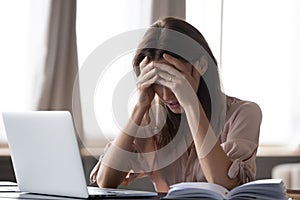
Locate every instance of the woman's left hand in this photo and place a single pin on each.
(181, 77)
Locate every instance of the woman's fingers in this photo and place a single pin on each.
(144, 66)
(168, 68)
(194, 70)
(148, 75)
(169, 73)
(196, 73)
(190, 72)
(144, 62)
(166, 76)
(148, 82)
(180, 65)
(165, 83)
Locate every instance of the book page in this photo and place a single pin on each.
(200, 189)
(260, 189)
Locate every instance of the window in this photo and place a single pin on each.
(260, 62)
(97, 22)
(16, 75)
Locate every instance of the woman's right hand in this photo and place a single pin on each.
(146, 79)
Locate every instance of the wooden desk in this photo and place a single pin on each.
(9, 190)
(294, 194)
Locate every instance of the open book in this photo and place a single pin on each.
(265, 189)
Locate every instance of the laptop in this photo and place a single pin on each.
(46, 156)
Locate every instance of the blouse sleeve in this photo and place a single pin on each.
(241, 140)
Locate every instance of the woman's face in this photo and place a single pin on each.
(166, 95)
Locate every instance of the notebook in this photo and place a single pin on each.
(46, 156)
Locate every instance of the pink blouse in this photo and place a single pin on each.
(239, 140)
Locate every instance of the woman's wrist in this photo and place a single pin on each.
(192, 104)
(143, 107)
(197, 118)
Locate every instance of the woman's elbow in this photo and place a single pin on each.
(105, 182)
(109, 178)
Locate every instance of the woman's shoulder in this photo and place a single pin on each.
(243, 120)
(236, 106)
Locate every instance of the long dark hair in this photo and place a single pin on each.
(181, 40)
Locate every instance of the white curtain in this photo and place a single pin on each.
(162, 8)
(57, 70)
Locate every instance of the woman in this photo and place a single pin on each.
(203, 135)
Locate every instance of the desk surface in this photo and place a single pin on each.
(294, 194)
(7, 192)
(10, 190)
(26, 196)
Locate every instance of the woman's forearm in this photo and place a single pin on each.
(213, 160)
(109, 177)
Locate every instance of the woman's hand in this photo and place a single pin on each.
(180, 77)
(147, 77)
